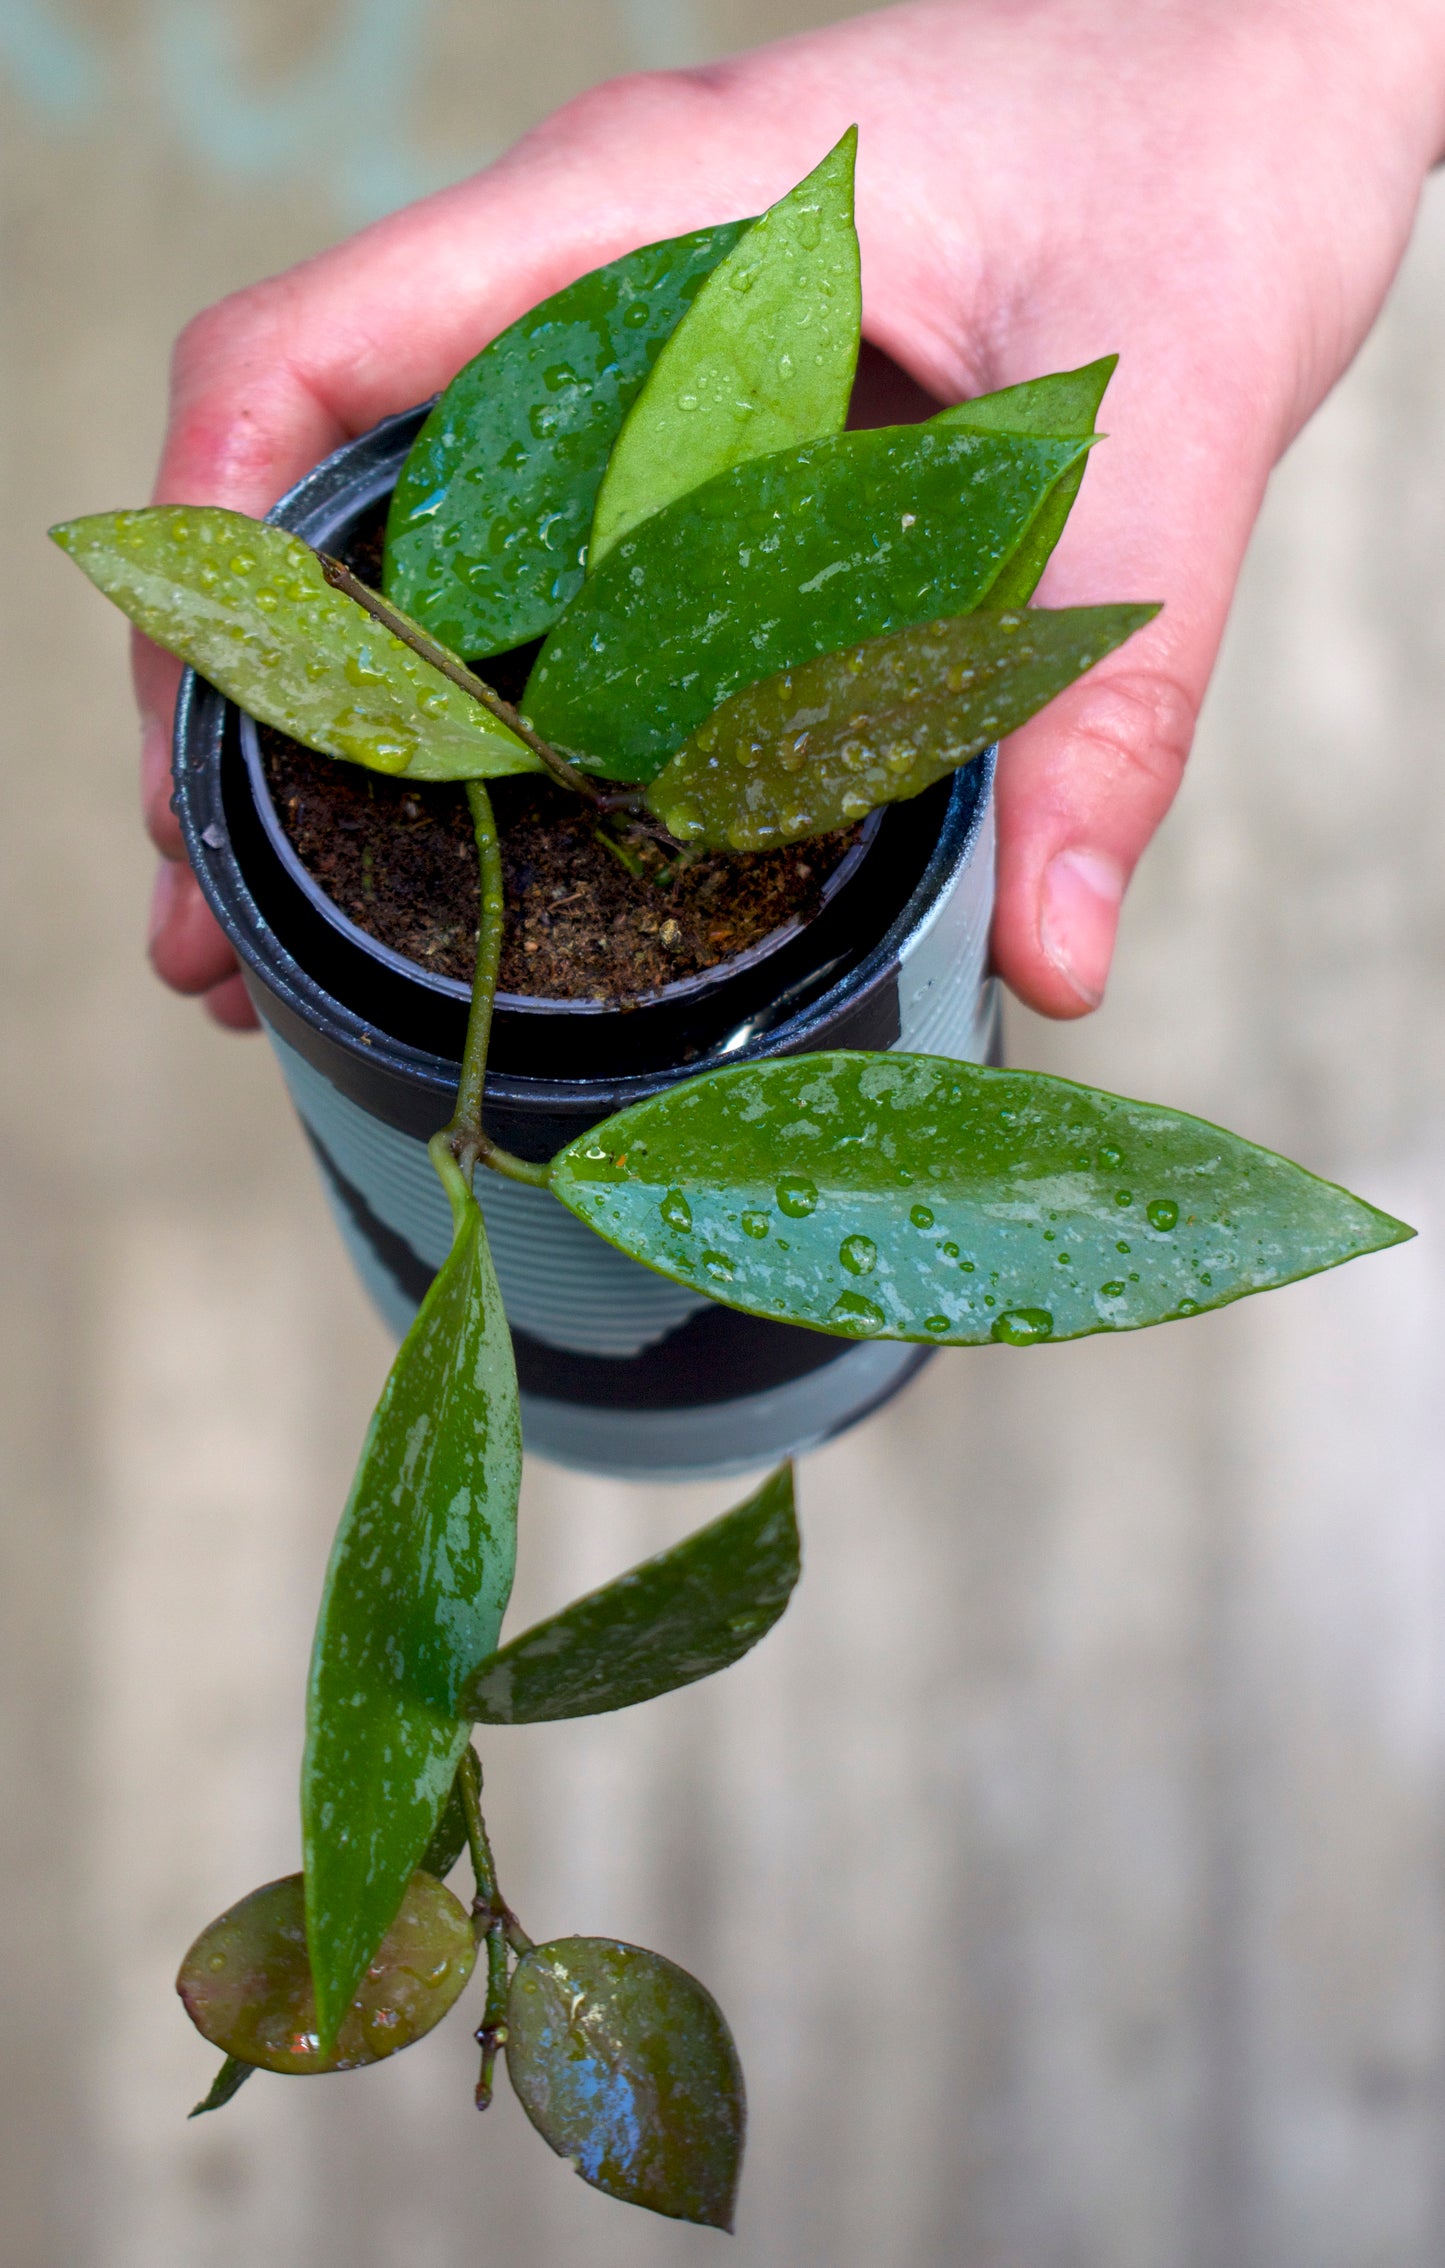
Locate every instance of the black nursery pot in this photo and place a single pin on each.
(621, 1371)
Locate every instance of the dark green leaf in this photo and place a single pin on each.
(450, 1837)
(247, 1986)
(488, 528)
(762, 360)
(419, 1578)
(227, 2084)
(1065, 404)
(773, 563)
(910, 1197)
(248, 606)
(625, 2065)
(676, 1618)
(820, 745)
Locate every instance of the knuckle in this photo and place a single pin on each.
(637, 102)
(1138, 727)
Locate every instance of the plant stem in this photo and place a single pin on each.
(466, 1136)
(494, 1919)
(411, 634)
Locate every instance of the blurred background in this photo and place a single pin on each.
(1070, 1862)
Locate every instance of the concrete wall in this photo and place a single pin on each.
(1071, 1861)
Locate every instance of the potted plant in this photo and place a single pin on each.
(711, 627)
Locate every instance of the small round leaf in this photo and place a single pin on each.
(246, 1981)
(624, 2064)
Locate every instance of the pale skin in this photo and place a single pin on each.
(1218, 190)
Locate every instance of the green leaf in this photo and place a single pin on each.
(246, 1983)
(487, 532)
(773, 563)
(909, 1197)
(625, 2065)
(419, 1578)
(762, 360)
(820, 745)
(1066, 403)
(676, 1618)
(449, 1839)
(226, 2085)
(248, 606)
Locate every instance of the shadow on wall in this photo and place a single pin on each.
(342, 109)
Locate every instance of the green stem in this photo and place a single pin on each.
(466, 1137)
(412, 634)
(494, 1919)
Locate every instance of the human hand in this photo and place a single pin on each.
(1221, 190)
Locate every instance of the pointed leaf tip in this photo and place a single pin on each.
(762, 360)
(679, 1617)
(625, 2064)
(226, 2085)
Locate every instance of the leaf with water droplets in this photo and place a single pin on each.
(487, 532)
(625, 2064)
(676, 1618)
(1065, 403)
(419, 1578)
(246, 1982)
(780, 560)
(247, 605)
(911, 1197)
(818, 746)
(762, 360)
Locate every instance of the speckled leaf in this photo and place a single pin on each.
(1065, 404)
(247, 605)
(449, 1838)
(418, 1582)
(773, 563)
(625, 2065)
(674, 1619)
(246, 1981)
(909, 1197)
(487, 532)
(818, 746)
(224, 2088)
(763, 359)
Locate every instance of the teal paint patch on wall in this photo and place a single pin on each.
(343, 110)
(53, 67)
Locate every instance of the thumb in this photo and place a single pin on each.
(1083, 786)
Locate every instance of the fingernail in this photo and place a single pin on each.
(163, 897)
(1078, 916)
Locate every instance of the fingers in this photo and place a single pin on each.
(1082, 788)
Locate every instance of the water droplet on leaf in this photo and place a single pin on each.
(797, 1197)
(859, 1255)
(1023, 1326)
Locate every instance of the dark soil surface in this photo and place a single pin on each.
(401, 863)
(587, 919)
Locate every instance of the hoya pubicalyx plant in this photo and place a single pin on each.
(756, 627)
